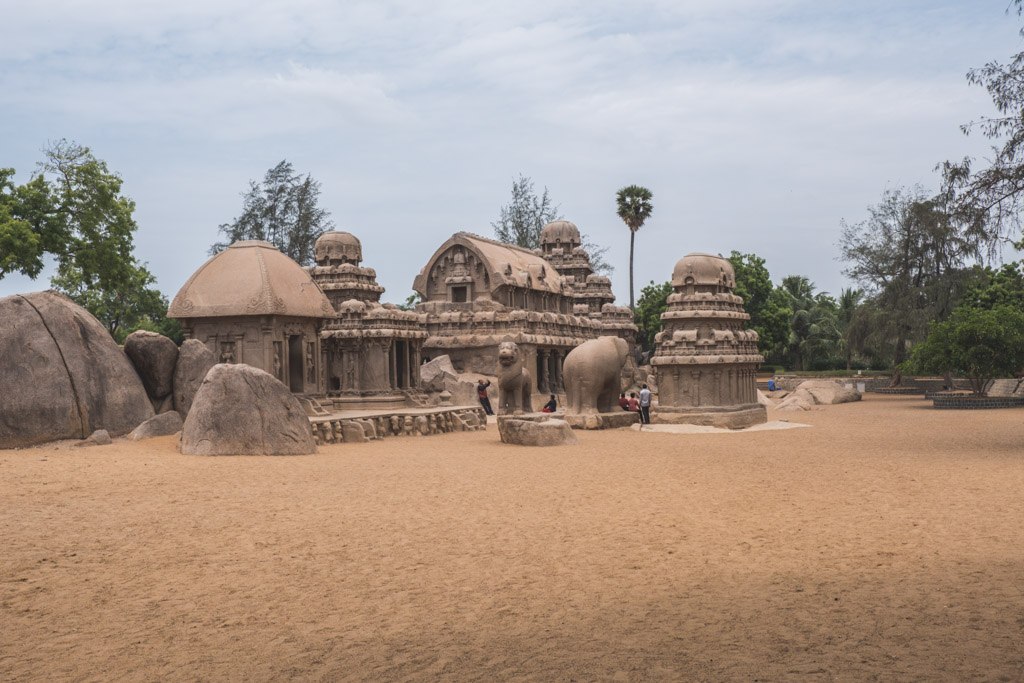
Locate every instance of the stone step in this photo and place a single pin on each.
(1004, 387)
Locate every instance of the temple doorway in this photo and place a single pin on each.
(295, 375)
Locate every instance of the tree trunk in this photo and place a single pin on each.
(897, 378)
(632, 238)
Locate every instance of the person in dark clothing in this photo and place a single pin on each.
(645, 405)
(481, 393)
(550, 406)
(623, 402)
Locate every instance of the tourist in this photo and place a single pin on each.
(623, 402)
(645, 405)
(550, 406)
(481, 393)
(634, 404)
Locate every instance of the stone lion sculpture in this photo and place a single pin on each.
(514, 383)
(591, 373)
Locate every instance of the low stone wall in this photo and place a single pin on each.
(970, 402)
(356, 427)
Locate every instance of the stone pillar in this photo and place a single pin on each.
(555, 373)
(408, 364)
(416, 361)
(543, 382)
(392, 365)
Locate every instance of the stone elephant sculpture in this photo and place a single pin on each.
(591, 374)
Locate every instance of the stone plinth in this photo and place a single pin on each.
(725, 417)
(535, 430)
(618, 420)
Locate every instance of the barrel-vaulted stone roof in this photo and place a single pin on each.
(250, 278)
(506, 265)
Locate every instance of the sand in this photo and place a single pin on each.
(886, 542)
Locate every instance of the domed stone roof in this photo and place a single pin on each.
(336, 247)
(703, 269)
(565, 232)
(250, 278)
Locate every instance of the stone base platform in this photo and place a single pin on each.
(731, 417)
(617, 420)
(360, 426)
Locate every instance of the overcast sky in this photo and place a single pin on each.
(757, 124)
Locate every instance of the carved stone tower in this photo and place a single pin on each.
(704, 359)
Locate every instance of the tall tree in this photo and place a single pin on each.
(522, 219)
(911, 256)
(634, 207)
(814, 328)
(283, 210)
(73, 210)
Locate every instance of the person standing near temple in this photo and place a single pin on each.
(481, 393)
(645, 405)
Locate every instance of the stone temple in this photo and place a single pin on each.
(704, 359)
(477, 292)
(324, 333)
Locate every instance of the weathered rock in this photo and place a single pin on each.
(797, 401)
(163, 424)
(352, 431)
(442, 365)
(551, 432)
(61, 374)
(154, 357)
(241, 410)
(825, 392)
(194, 361)
(163, 405)
(762, 399)
(101, 437)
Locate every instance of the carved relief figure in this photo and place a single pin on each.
(227, 352)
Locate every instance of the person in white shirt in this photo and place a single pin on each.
(645, 405)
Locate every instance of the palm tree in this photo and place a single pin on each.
(634, 208)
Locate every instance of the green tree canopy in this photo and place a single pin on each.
(913, 259)
(769, 315)
(73, 211)
(647, 314)
(980, 344)
(521, 221)
(283, 210)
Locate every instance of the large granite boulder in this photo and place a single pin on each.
(194, 361)
(62, 375)
(154, 357)
(826, 392)
(163, 424)
(547, 432)
(241, 410)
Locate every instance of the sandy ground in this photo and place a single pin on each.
(884, 543)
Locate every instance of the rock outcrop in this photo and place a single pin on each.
(194, 361)
(163, 424)
(241, 410)
(62, 375)
(154, 357)
(817, 392)
(550, 432)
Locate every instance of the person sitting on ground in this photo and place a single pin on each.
(634, 403)
(550, 406)
(623, 402)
